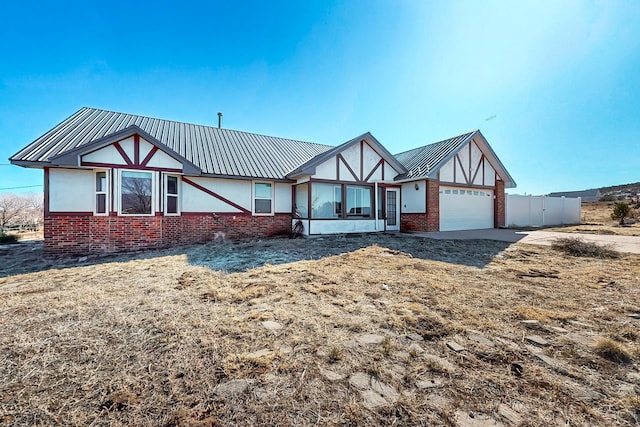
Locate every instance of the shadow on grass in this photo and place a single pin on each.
(236, 256)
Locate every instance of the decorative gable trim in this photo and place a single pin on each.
(73, 157)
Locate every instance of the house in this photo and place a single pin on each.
(115, 182)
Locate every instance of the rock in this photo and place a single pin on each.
(455, 346)
(430, 383)
(415, 349)
(472, 419)
(580, 324)
(512, 416)
(83, 259)
(635, 315)
(480, 339)
(373, 400)
(286, 349)
(272, 326)
(260, 353)
(330, 375)
(415, 337)
(384, 390)
(231, 388)
(537, 340)
(554, 364)
(360, 380)
(529, 323)
(558, 329)
(370, 339)
(580, 339)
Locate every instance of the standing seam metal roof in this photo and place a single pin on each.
(215, 151)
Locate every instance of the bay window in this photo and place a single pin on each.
(358, 201)
(327, 200)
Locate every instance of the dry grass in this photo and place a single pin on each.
(579, 247)
(146, 340)
(596, 219)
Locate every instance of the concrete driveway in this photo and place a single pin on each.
(630, 244)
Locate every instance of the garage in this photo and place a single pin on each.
(465, 208)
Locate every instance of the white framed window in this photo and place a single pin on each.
(172, 195)
(136, 193)
(101, 193)
(263, 198)
(358, 201)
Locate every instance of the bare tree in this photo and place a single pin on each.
(12, 207)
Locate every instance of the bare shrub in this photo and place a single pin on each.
(581, 248)
(612, 350)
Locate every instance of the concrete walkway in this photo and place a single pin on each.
(630, 244)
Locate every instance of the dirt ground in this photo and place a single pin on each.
(363, 330)
(596, 219)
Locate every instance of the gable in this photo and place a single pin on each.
(469, 166)
(363, 159)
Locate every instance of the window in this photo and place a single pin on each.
(327, 200)
(101, 193)
(136, 193)
(171, 195)
(262, 198)
(380, 205)
(358, 201)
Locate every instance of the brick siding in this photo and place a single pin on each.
(499, 205)
(69, 234)
(429, 221)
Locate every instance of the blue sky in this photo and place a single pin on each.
(559, 81)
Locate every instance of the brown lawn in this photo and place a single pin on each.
(154, 339)
(596, 219)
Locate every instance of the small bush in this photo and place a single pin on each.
(612, 350)
(578, 247)
(620, 212)
(6, 238)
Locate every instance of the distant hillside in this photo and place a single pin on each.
(614, 192)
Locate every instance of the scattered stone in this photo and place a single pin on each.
(635, 315)
(415, 337)
(272, 326)
(508, 343)
(512, 416)
(537, 340)
(370, 339)
(360, 380)
(384, 390)
(402, 356)
(372, 400)
(554, 364)
(529, 322)
(455, 346)
(286, 349)
(480, 339)
(384, 287)
(231, 388)
(260, 353)
(83, 258)
(558, 329)
(580, 324)
(585, 394)
(430, 383)
(473, 419)
(415, 348)
(330, 375)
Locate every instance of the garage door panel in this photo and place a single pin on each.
(465, 209)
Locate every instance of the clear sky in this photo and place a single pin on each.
(553, 85)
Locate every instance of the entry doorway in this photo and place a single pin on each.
(392, 213)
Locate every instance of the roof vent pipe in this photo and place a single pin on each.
(219, 120)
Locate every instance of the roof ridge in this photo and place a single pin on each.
(204, 126)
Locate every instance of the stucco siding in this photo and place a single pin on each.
(413, 201)
(71, 190)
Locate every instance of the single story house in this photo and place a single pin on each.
(115, 182)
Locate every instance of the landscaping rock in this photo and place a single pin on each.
(372, 400)
(360, 380)
(330, 375)
(370, 339)
(415, 349)
(415, 337)
(480, 339)
(232, 388)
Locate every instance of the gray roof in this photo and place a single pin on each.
(217, 152)
(421, 161)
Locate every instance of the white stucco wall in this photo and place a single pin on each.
(71, 190)
(163, 160)
(108, 155)
(412, 200)
(282, 198)
(196, 200)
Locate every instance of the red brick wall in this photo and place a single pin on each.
(424, 222)
(68, 234)
(499, 205)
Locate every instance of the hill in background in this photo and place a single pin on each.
(614, 192)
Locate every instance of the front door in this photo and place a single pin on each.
(393, 209)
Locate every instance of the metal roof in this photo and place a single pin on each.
(422, 161)
(219, 152)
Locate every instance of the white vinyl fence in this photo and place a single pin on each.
(538, 211)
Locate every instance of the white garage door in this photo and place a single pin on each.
(465, 209)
